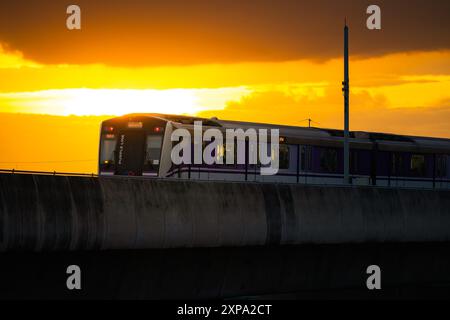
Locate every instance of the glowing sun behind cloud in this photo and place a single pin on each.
(120, 101)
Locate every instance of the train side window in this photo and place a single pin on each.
(418, 165)
(284, 156)
(153, 153)
(221, 156)
(397, 164)
(353, 161)
(441, 166)
(223, 150)
(306, 156)
(328, 160)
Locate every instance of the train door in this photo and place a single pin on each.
(131, 153)
(153, 155)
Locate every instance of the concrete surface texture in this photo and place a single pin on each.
(47, 213)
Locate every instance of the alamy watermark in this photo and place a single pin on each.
(210, 147)
(374, 280)
(73, 21)
(73, 281)
(374, 20)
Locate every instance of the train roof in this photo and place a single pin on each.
(321, 136)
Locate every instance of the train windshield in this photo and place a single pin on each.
(107, 150)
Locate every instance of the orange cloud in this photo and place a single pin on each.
(14, 59)
(368, 113)
(180, 32)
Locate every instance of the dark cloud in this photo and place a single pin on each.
(168, 32)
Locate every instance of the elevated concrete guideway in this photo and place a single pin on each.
(48, 213)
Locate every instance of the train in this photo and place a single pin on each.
(139, 145)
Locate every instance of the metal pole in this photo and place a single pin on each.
(346, 89)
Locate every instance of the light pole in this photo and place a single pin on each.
(346, 89)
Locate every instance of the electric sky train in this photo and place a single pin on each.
(140, 145)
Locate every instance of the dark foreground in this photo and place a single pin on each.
(280, 272)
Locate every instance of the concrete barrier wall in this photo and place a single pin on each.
(44, 213)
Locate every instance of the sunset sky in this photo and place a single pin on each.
(267, 61)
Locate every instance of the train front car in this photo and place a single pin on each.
(131, 146)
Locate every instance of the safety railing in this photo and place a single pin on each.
(49, 173)
(389, 182)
